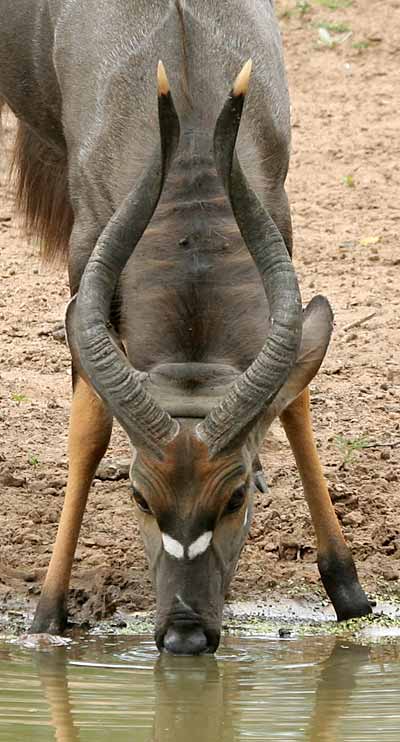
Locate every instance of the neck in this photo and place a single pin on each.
(193, 186)
(192, 276)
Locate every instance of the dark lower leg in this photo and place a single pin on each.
(89, 435)
(336, 565)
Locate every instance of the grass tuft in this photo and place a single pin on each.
(348, 447)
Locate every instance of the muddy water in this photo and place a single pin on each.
(119, 690)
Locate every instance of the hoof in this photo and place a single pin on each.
(50, 618)
(340, 580)
(354, 605)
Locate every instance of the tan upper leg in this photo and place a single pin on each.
(89, 435)
(296, 420)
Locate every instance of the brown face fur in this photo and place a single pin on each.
(194, 515)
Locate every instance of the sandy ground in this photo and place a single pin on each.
(344, 191)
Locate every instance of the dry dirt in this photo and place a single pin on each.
(344, 191)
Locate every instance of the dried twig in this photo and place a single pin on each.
(389, 444)
(359, 322)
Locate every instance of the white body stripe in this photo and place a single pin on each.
(200, 545)
(172, 547)
(246, 517)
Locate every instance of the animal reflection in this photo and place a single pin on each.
(335, 690)
(52, 668)
(194, 700)
(204, 699)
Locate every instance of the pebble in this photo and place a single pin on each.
(56, 483)
(112, 472)
(288, 550)
(352, 519)
(350, 338)
(53, 516)
(98, 540)
(388, 573)
(52, 491)
(9, 480)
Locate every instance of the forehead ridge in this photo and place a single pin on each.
(184, 483)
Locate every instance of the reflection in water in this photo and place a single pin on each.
(52, 670)
(190, 701)
(119, 690)
(335, 690)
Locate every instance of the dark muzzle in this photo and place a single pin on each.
(185, 635)
(185, 639)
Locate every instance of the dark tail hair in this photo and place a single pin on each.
(40, 179)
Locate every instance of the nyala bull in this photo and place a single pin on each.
(186, 322)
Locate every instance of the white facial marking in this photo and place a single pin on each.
(172, 547)
(200, 545)
(246, 518)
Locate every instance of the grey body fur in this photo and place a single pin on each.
(85, 83)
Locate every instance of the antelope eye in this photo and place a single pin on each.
(140, 501)
(237, 500)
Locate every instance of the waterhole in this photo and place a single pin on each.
(314, 689)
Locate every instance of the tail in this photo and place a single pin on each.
(40, 182)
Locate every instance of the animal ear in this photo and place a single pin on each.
(317, 331)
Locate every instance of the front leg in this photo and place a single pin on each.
(89, 436)
(335, 562)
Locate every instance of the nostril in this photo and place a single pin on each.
(185, 640)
